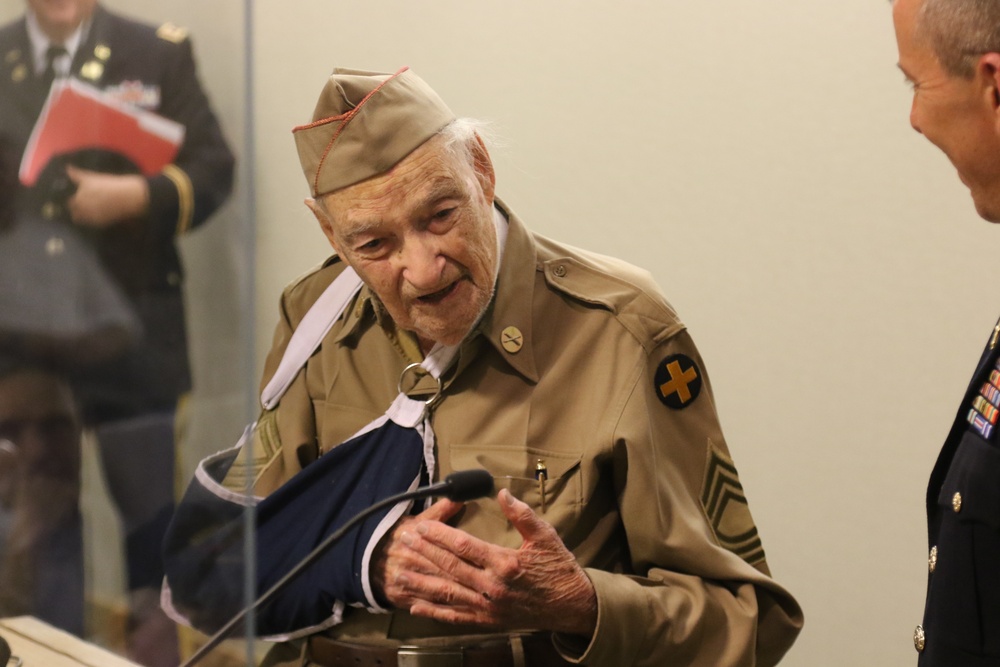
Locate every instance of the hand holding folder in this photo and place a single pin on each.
(78, 117)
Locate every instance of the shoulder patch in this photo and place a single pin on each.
(677, 381)
(172, 33)
(727, 509)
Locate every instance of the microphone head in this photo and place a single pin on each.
(468, 485)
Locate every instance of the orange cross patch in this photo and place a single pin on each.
(677, 381)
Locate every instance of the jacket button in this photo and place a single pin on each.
(932, 560)
(956, 502)
(559, 271)
(55, 246)
(919, 639)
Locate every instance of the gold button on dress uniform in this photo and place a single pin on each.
(956, 502)
(932, 560)
(919, 639)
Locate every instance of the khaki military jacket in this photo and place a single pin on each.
(582, 364)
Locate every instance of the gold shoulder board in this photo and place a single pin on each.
(172, 33)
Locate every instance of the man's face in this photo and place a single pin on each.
(422, 237)
(956, 114)
(39, 432)
(59, 18)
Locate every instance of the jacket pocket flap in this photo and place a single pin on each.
(971, 489)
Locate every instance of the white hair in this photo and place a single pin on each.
(459, 136)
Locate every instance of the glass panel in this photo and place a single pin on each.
(126, 271)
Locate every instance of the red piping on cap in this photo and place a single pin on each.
(346, 117)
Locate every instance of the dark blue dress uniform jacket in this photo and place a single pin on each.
(156, 66)
(961, 626)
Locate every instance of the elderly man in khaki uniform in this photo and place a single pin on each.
(620, 534)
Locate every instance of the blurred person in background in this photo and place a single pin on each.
(129, 391)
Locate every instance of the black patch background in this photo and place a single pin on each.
(663, 376)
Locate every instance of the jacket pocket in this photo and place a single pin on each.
(516, 469)
(971, 490)
(964, 591)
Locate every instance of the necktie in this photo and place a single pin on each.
(54, 52)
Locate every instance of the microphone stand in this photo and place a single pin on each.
(310, 558)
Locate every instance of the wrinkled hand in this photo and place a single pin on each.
(392, 556)
(441, 572)
(102, 200)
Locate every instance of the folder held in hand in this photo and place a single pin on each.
(77, 116)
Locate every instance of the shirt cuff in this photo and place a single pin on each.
(620, 610)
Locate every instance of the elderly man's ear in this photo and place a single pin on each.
(483, 166)
(324, 222)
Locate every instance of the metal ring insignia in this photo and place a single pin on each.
(414, 367)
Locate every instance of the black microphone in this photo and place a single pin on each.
(458, 486)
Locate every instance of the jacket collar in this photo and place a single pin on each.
(40, 42)
(95, 50)
(512, 304)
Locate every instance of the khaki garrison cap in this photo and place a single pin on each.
(364, 124)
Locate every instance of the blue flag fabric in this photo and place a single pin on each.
(296, 518)
(203, 551)
(204, 548)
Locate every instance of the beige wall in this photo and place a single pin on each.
(756, 158)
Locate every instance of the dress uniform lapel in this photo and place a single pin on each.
(90, 61)
(959, 426)
(27, 90)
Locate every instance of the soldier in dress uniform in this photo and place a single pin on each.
(949, 51)
(132, 222)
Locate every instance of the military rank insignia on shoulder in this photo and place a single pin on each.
(172, 33)
(727, 509)
(677, 381)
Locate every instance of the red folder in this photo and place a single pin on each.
(78, 116)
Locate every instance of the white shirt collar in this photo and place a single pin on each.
(40, 43)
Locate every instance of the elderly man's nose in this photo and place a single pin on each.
(422, 264)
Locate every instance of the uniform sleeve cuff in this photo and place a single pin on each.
(620, 610)
(171, 196)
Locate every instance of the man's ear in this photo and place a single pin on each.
(988, 68)
(483, 166)
(324, 222)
